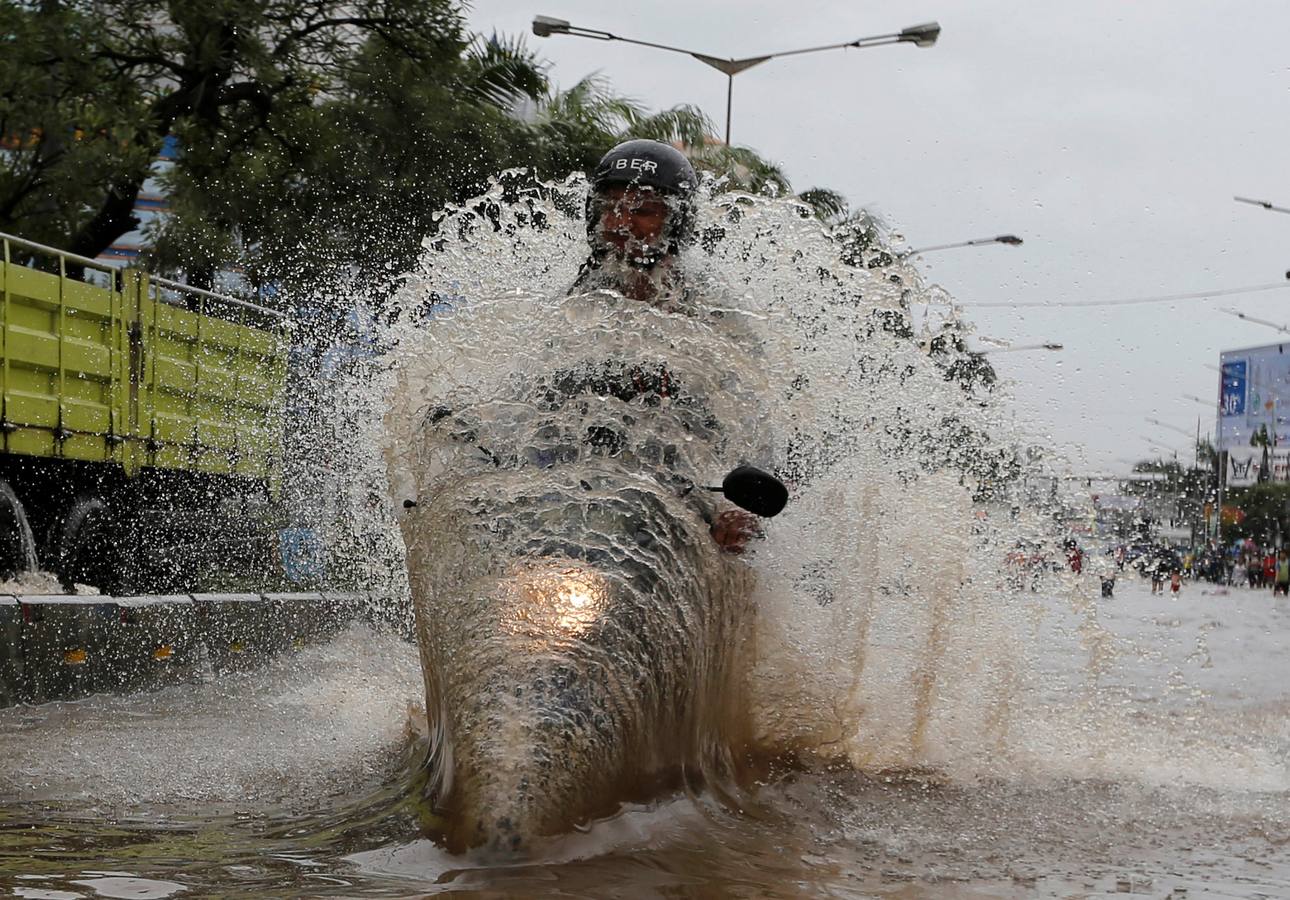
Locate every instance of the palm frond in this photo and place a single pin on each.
(681, 124)
(829, 205)
(502, 70)
(589, 104)
(743, 168)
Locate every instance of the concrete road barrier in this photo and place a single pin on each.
(154, 641)
(10, 650)
(57, 647)
(63, 643)
(237, 629)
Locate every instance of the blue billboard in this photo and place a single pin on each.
(1231, 401)
(1254, 400)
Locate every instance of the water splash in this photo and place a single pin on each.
(529, 422)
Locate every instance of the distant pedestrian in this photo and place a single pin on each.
(1157, 576)
(1175, 582)
(1074, 556)
(1282, 584)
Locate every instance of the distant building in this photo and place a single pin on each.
(151, 205)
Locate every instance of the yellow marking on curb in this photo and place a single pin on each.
(163, 653)
(76, 657)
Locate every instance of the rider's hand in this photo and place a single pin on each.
(733, 528)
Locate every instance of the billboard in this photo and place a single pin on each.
(1250, 465)
(1254, 413)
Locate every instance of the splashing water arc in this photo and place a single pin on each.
(582, 638)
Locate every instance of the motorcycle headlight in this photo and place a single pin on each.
(557, 599)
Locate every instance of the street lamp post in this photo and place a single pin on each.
(1185, 433)
(1010, 239)
(923, 35)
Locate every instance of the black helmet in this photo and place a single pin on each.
(646, 164)
(656, 166)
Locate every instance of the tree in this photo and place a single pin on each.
(231, 78)
(1265, 513)
(69, 130)
(348, 186)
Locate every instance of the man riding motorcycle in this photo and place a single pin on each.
(640, 217)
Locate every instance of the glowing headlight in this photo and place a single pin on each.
(556, 598)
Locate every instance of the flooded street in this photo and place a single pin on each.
(1151, 761)
(450, 449)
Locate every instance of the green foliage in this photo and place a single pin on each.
(828, 205)
(957, 363)
(69, 130)
(257, 91)
(1267, 512)
(318, 137)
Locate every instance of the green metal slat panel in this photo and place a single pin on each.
(36, 287)
(216, 382)
(32, 409)
(92, 447)
(32, 348)
(216, 435)
(79, 415)
(213, 461)
(87, 300)
(177, 377)
(173, 428)
(82, 357)
(32, 442)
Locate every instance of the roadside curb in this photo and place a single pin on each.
(59, 647)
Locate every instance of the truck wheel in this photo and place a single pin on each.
(83, 550)
(17, 546)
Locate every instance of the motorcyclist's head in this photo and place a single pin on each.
(640, 205)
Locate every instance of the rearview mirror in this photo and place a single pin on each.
(761, 493)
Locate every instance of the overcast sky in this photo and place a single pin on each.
(1110, 135)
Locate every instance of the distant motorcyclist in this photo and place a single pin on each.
(640, 217)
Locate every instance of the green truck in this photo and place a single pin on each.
(141, 422)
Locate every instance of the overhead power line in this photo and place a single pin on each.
(1134, 301)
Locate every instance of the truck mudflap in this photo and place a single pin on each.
(59, 647)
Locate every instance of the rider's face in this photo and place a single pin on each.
(632, 217)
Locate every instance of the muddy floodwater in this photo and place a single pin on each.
(1156, 763)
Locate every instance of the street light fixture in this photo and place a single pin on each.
(1182, 431)
(1047, 345)
(923, 35)
(1151, 442)
(1010, 239)
(1241, 315)
(1263, 203)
